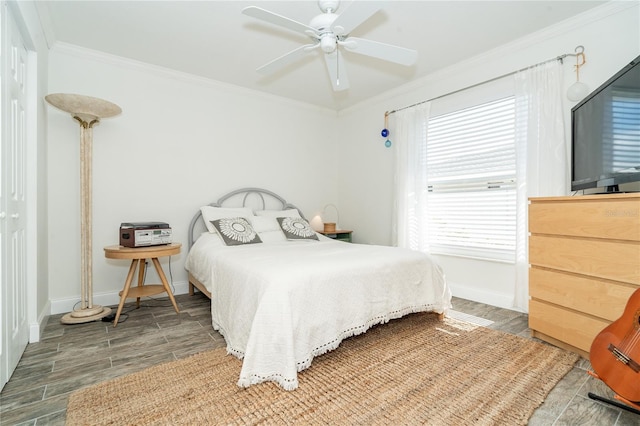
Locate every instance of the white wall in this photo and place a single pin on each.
(611, 37)
(181, 142)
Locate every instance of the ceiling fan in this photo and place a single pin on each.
(330, 31)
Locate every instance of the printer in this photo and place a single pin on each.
(144, 234)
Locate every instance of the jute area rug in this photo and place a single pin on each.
(414, 370)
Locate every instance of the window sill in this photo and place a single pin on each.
(472, 257)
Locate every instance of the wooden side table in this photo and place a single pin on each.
(338, 234)
(138, 255)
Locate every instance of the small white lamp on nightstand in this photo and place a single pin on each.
(316, 223)
(87, 111)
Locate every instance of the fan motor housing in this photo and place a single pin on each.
(323, 21)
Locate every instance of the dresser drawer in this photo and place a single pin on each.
(615, 219)
(612, 260)
(573, 328)
(604, 299)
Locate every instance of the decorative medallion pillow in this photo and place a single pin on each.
(296, 228)
(236, 231)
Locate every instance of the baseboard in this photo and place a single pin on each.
(60, 306)
(501, 300)
(35, 328)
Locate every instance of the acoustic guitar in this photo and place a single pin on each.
(615, 352)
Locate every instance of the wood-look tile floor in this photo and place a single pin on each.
(69, 357)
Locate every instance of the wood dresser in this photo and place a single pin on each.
(584, 253)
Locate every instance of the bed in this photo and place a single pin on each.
(295, 294)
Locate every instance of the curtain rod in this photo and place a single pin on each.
(579, 51)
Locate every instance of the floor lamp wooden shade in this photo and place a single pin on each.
(87, 111)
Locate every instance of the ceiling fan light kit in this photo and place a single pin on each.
(330, 32)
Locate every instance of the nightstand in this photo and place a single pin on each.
(338, 234)
(138, 256)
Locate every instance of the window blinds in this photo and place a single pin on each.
(471, 179)
(622, 117)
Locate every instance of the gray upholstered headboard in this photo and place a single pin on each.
(254, 198)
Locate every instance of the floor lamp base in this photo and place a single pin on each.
(80, 316)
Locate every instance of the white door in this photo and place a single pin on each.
(13, 100)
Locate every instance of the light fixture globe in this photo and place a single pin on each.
(577, 91)
(328, 43)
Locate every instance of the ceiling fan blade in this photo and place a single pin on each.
(387, 52)
(286, 59)
(355, 14)
(337, 71)
(274, 18)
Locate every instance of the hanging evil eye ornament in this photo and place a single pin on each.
(385, 131)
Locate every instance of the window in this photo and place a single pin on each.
(471, 180)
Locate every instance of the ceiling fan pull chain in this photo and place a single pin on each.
(338, 67)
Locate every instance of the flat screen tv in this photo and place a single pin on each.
(605, 133)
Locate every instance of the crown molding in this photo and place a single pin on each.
(132, 64)
(589, 17)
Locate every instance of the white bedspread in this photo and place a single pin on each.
(279, 305)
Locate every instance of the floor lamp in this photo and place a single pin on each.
(87, 111)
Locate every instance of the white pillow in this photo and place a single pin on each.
(264, 223)
(278, 213)
(272, 236)
(267, 228)
(210, 213)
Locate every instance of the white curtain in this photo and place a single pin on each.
(410, 209)
(542, 160)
